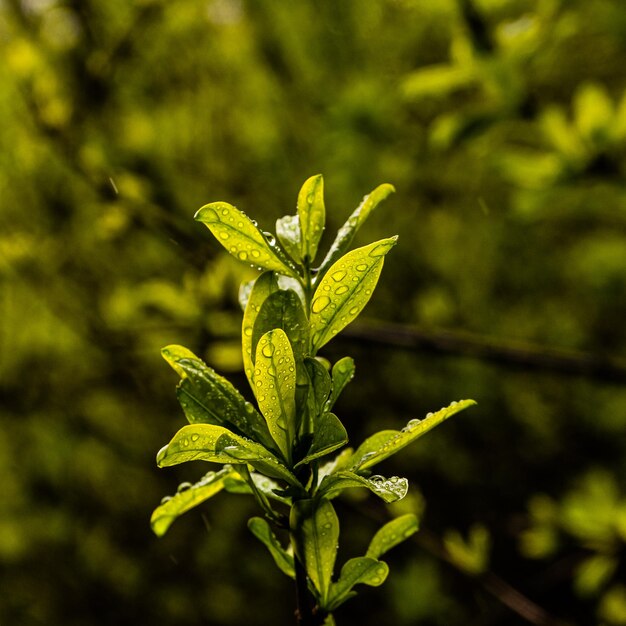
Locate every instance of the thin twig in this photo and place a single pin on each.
(514, 354)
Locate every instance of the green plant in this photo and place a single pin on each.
(276, 453)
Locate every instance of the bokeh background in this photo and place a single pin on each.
(502, 124)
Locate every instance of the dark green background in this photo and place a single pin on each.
(502, 124)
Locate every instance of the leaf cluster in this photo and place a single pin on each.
(276, 450)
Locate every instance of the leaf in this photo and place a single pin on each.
(387, 442)
(208, 398)
(312, 215)
(262, 531)
(275, 387)
(391, 534)
(318, 387)
(185, 499)
(361, 570)
(345, 290)
(389, 489)
(289, 235)
(245, 289)
(284, 310)
(334, 465)
(239, 235)
(355, 221)
(265, 285)
(236, 483)
(342, 374)
(315, 527)
(329, 435)
(216, 444)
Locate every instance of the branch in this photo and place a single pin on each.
(520, 355)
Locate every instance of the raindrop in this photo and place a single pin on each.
(354, 310)
(255, 253)
(224, 234)
(195, 437)
(361, 267)
(319, 304)
(380, 250)
(243, 255)
(165, 499)
(341, 289)
(429, 415)
(377, 479)
(453, 403)
(183, 487)
(224, 211)
(268, 350)
(338, 275)
(247, 331)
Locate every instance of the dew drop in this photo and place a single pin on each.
(338, 275)
(165, 499)
(255, 253)
(341, 289)
(268, 350)
(247, 331)
(195, 437)
(243, 255)
(183, 487)
(354, 310)
(224, 234)
(319, 304)
(224, 211)
(361, 267)
(380, 250)
(210, 215)
(185, 442)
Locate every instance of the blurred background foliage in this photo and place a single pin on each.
(502, 124)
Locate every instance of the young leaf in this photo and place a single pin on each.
(275, 387)
(312, 215)
(208, 398)
(315, 527)
(239, 235)
(289, 235)
(187, 497)
(355, 221)
(262, 531)
(329, 435)
(362, 570)
(391, 534)
(342, 374)
(283, 309)
(265, 285)
(389, 489)
(345, 290)
(387, 442)
(216, 444)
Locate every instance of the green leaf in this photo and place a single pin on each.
(342, 374)
(315, 527)
(329, 435)
(245, 289)
(208, 398)
(340, 462)
(312, 215)
(318, 387)
(262, 531)
(187, 497)
(345, 290)
(283, 309)
(239, 235)
(387, 442)
(265, 285)
(389, 489)
(216, 444)
(355, 221)
(391, 534)
(289, 235)
(236, 483)
(275, 387)
(361, 570)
